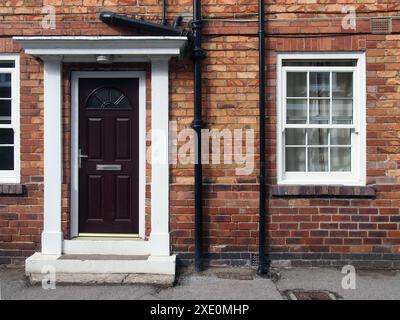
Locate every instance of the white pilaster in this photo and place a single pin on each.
(160, 237)
(52, 236)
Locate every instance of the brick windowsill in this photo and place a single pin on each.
(12, 190)
(323, 191)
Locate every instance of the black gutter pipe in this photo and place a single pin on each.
(117, 20)
(164, 12)
(262, 268)
(197, 126)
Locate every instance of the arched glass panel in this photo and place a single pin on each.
(108, 98)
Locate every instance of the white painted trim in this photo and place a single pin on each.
(359, 164)
(122, 47)
(13, 176)
(52, 236)
(141, 75)
(160, 237)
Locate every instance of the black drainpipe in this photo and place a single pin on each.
(197, 126)
(164, 12)
(262, 268)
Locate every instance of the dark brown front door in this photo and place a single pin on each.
(109, 147)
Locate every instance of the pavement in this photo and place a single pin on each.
(215, 284)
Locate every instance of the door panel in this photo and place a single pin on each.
(109, 137)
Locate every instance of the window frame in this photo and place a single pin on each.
(357, 177)
(13, 176)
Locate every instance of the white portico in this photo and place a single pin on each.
(136, 256)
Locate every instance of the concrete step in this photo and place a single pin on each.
(102, 269)
(119, 247)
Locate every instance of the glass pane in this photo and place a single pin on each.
(341, 159)
(119, 99)
(342, 112)
(5, 85)
(319, 111)
(6, 136)
(295, 137)
(318, 137)
(296, 111)
(296, 84)
(6, 158)
(7, 64)
(318, 160)
(295, 159)
(5, 111)
(106, 98)
(320, 84)
(340, 137)
(342, 85)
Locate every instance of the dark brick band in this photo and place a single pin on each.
(12, 190)
(297, 260)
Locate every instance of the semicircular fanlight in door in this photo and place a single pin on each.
(108, 98)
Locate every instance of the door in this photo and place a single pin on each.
(109, 159)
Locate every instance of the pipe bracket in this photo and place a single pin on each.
(198, 124)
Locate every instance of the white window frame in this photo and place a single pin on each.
(13, 176)
(357, 177)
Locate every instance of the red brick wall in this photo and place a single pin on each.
(299, 227)
(21, 216)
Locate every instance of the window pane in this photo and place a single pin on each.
(342, 112)
(7, 64)
(319, 63)
(341, 137)
(6, 136)
(295, 137)
(319, 111)
(318, 137)
(5, 111)
(5, 85)
(6, 158)
(342, 85)
(296, 111)
(341, 159)
(295, 159)
(318, 160)
(320, 84)
(296, 84)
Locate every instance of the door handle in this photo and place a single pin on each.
(80, 157)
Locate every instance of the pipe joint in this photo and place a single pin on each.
(198, 124)
(198, 53)
(197, 25)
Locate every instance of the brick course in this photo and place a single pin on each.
(301, 228)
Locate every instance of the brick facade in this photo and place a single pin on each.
(318, 227)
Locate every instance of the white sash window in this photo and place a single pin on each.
(321, 111)
(9, 120)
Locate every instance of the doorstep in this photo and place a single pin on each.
(82, 269)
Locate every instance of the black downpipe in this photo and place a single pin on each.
(117, 20)
(164, 12)
(262, 268)
(198, 125)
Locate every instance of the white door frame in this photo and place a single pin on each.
(76, 75)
